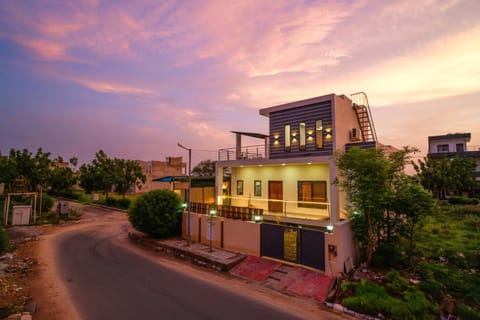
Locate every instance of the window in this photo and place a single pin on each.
(310, 192)
(442, 148)
(287, 137)
(239, 187)
(319, 133)
(257, 188)
(460, 147)
(303, 138)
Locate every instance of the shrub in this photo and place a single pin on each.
(3, 240)
(463, 200)
(111, 202)
(157, 213)
(467, 312)
(47, 202)
(373, 299)
(123, 203)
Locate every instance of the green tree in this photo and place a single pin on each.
(371, 180)
(413, 203)
(61, 178)
(445, 175)
(205, 168)
(127, 174)
(157, 213)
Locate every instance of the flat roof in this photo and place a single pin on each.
(266, 111)
(451, 136)
(251, 134)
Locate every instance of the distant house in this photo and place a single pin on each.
(289, 178)
(454, 144)
(153, 170)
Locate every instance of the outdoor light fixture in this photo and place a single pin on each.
(257, 218)
(212, 212)
(330, 228)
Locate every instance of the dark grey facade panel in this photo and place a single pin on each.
(308, 114)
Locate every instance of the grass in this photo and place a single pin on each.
(448, 256)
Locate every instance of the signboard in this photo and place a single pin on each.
(290, 244)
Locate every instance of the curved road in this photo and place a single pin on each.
(105, 280)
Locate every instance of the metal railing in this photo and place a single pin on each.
(290, 208)
(246, 152)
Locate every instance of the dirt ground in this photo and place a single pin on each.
(41, 285)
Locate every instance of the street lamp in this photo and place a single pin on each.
(189, 189)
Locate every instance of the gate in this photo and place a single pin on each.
(298, 245)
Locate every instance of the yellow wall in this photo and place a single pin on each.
(289, 174)
(203, 195)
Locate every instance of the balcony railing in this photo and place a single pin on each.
(289, 208)
(246, 152)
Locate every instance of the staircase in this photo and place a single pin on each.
(364, 116)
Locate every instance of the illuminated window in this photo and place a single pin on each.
(303, 139)
(287, 137)
(310, 192)
(319, 133)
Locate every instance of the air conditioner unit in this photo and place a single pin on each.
(354, 135)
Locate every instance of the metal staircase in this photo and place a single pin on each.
(364, 116)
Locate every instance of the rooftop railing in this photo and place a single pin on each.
(246, 152)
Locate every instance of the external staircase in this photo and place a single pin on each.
(364, 116)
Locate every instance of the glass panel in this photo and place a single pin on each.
(287, 137)
(319, 133)
(303, 139)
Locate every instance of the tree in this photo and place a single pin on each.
(414, 203)
(127, 174)
(205, 168)
(157, 213)
(62, 179)
(371, 180)
(21, 165)
(446, 175)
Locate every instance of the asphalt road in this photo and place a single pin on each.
(107, 281)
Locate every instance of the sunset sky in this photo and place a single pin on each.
(135, 77)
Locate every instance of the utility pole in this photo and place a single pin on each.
(189, 190)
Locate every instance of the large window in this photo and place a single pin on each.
(303, 138)
(319, 133)
(287, 137)
(310, 192)
(442, 148)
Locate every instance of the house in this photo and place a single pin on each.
(153, 170)
(454, 144)
(288, 179)
(291, 174)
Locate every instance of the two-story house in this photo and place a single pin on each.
(454, 144)
(291, 174)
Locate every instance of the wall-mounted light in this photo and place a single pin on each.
(275, 139)
(330, 228)
(257, 218)
(328, 132)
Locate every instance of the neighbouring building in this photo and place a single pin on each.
(289, 178)
(153, 170)
(454, 144)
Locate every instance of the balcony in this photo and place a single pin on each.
(245, 152)
(308, 213)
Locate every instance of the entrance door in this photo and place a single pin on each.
(275, 192)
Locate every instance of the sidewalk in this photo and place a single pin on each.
(290, 279)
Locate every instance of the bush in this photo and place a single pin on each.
(47, 202)
(3, 240)
(463, 200)
(123, 203)
(157, 213)
(111, 202)
(373, 299)
(467, 312)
